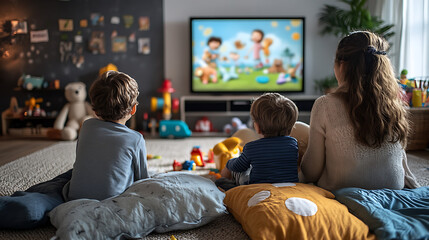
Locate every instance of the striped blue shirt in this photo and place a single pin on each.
(273, 160)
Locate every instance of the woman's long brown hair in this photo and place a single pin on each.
(370, 90)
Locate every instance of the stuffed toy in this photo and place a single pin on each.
(76, 111)
(206, 74)
(235, 125)
(277, 67)
(225, 150)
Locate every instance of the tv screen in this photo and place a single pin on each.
(245, 55)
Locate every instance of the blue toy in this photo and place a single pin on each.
(173, 129)
(189, 165)
(262, 79)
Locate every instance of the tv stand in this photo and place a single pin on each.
(221, 109)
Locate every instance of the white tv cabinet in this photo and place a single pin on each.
(221, 109)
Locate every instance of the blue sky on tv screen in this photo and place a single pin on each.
(284, 33)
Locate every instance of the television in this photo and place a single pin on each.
(247, 55)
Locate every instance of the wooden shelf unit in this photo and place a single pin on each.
(221, 109)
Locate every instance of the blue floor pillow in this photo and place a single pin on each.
(390, 214)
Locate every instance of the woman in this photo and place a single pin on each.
(358, 133)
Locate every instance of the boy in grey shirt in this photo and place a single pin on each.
(109, 155)
(109, 158)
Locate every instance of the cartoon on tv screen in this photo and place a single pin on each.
(247, 55)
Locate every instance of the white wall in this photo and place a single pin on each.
(319, 50)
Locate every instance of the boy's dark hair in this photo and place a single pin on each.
(113, 95)
(275, 114)
(214, 39)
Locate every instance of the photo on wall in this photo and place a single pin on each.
(96, 43)
(144, 23)
(144, 46)
(65, 25)
(97, 19)
(19, 27)
(119, 44)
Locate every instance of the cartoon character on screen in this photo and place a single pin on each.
(209, 61)
(266, 43)
(257, 37)
(211, 54)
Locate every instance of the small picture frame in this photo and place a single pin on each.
(19, 27)
(144, 46)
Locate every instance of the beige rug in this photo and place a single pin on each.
(51, 161)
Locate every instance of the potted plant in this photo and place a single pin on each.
(340, 22)
(326, 85)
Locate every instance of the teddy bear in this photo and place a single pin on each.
(206, 73)
(277, 67)
(76, 111)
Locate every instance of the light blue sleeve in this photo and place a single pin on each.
(140, 161)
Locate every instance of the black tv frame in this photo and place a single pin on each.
(244, 92)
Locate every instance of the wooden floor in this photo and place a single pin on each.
(12, 148)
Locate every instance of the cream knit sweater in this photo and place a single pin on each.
(334, 159)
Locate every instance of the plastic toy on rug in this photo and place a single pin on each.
(215, 172)
(177, 166)
(189, 165)
(225, 150)
(173, 129)
(197, 156)
(151, 156)
(210, 156)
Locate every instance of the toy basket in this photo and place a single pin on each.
(419, 136)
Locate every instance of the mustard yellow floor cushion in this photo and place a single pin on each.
(293, 211)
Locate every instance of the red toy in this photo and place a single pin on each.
(197, 156)
(204, 125)
(177, 166)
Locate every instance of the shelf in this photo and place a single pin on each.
(221, 109)
(29, 118)
(209, 134)
(220, 114)
(37, 90)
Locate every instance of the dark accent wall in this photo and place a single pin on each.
(148, 70)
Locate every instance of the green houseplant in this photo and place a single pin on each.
(340, 22)
(326, 85)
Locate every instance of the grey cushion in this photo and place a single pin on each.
(166, 202)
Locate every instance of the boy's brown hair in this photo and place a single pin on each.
(275, 114)
(113, 95)
(214, 39)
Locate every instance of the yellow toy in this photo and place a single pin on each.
(165, 103)
(108, 67)
(31, 105)
(223, 151)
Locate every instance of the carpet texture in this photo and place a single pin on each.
(56, 159)
(50, 162)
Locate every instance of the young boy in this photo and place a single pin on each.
(109, 155)
(273, 158)
(109, 158)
